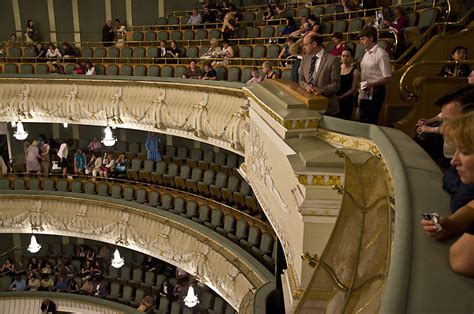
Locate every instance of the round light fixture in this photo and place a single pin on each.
(20, 133)
(34, 246)
(191, 299)
(109, 139)
(117, 261)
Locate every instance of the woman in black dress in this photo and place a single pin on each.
(349, 83)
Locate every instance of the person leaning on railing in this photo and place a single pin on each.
(460, 131)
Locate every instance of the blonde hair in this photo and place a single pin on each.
(267, 64)
(460, 131)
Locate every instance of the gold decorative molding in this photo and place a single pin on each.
(348, 141)
(351, 272)
(321, 180)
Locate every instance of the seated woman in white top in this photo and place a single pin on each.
(90, 68)
(53, 52)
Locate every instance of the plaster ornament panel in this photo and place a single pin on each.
(257, 171)
(259, 165)
(206, 114)
(151, 233)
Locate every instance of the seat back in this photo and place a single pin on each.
(153, 70)
(233, 74)
(208, 177)
(113, 52)
(126, 70)
(204, 212)
(167, 71)
(196, 174)
(167, 201)
(173, 169)
(241, 229)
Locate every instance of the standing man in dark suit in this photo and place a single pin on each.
(320, 72)
(108, 34)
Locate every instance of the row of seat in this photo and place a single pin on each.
(265, 32)
(224, 73)
(220, 186)
(250, 233)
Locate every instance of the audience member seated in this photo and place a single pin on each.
(149, 264)
(61, 285)
(33, 265)
(95, 146)
(70, 270)
(34, 283)
(7, 268)
(285, 51)
(344, 6)
(78, 69)
(68, 51)
(19, 284)
(56, 69)
(46, 268)
(108, 166)
(193, 71)
(208, 16)
(60, 267)
(88, 287)
(46, 283)
(53, 52)
(165, 289)
(11, 42)
(120, 167)
(20, 266)
(311, 25)
(101, 287)
(349, 84)
(279, 12)
(146, 304)
(290, 26)
(90, 69)
(104, 251)
(227, 53)
(339, 44)
(214, 51)
(459, 130)
(40, 52)
(399, 20)
(162, 50)
(73, 286)
(255, 76)
(268, 72)
(195, 18)
(173, 51)
(94, 165)
(209, 72)
(453, 70)
(429, 131)
(269, 12)
(79, 162)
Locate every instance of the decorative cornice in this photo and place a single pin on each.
(214, 115)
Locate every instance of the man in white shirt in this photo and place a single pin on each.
(375, 74)
(62, 155)
(195, 18)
